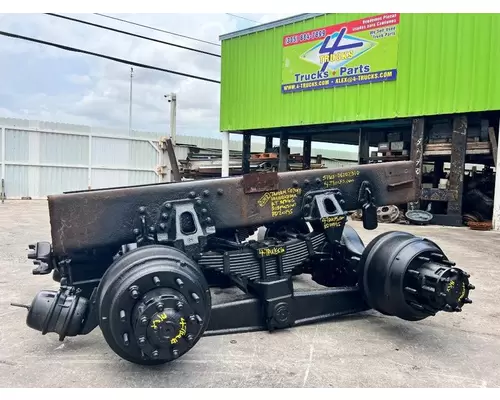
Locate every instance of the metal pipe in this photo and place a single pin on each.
(2, 187)
(496, 199)
(173, 117)
(82, 166)
(225, 154)
(89, 177)
(3, 152)
(130, 103)
(72, 133)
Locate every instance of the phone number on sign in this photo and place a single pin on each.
(303, 37)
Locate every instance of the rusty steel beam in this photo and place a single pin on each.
(364, 147)
(104, 218)
(435, 194)
(457, 164)
(416, 155)
(306, 153)
(245, 156)
(283, 160)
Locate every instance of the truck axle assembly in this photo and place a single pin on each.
(138, 262)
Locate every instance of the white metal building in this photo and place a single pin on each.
(40, 158)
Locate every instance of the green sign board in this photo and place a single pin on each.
(353, 53)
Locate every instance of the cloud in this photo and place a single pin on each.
(95, 91)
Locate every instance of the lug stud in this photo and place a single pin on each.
(447, 307)
(136, 231)
(168, 206)
(156, 281)
(160, 307)
(142, 209)
(199, 319)
(220, 192)
(175, 353)
(467, 301)
(206, 193)
(410, 290)
(190, 338)
(425, 259)
(195, 297)
(142, 341)
(413, 272)
(179, 306)
(125, 339)
(192, 318)
(155, 353)
(471, 287)
(443, 295)
(122, 315)
(134, 292)
(164, 215)
(179, 282)
(192, 195)
(144, 321)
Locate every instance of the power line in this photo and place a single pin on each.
(132, 34)
(247, 19)
(120, 60)
(156, 29)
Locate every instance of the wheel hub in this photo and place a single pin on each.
(165, 324)
(154, 305)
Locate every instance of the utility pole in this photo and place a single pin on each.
(167, 160)
(130, 103)
(173, 116)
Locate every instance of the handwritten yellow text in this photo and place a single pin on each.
(161, 317)
(181, 333)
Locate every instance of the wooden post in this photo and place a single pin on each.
(457, 164)
(283, 163)
(306, 154)
(416, 155)
(245, 157)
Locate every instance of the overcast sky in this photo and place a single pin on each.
(45, 83)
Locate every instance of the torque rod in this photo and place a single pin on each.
(307, 307)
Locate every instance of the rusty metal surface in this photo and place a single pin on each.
(258, 183)
(435, 194)
(416, 155)
(102, 218)
(457, 164)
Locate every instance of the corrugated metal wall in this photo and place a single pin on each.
(447, 63)
(41, 158)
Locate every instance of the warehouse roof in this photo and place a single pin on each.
(269, 25)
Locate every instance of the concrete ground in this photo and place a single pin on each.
(368, 350)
